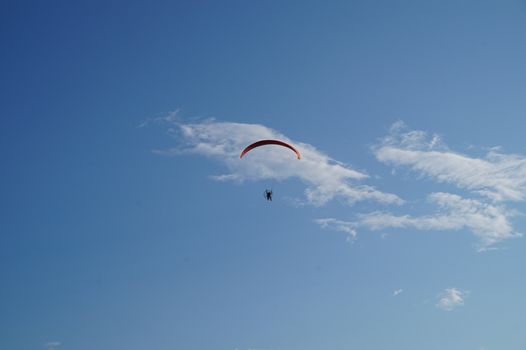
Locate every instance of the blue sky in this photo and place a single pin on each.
(129, 222)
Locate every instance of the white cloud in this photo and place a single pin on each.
(338, 225)
(497, 176)
(494, 178)
(52, 345)
(490, 223)
(450, 299)
(325, 178)
(397, 292)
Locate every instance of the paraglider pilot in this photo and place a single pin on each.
(268, 195)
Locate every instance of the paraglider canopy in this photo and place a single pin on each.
(269, 142)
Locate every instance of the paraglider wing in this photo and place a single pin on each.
(269, 142)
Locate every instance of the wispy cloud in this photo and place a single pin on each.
(496, 175)
(325, 178)
(52, 345)
(450, 299)
(493, 179)
(397, 292)
(338, 225)
(490, 223)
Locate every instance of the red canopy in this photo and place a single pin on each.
(269, 142)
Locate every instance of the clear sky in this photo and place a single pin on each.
(129, 221)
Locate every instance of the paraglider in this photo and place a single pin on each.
(269, 142)
(268, 193)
